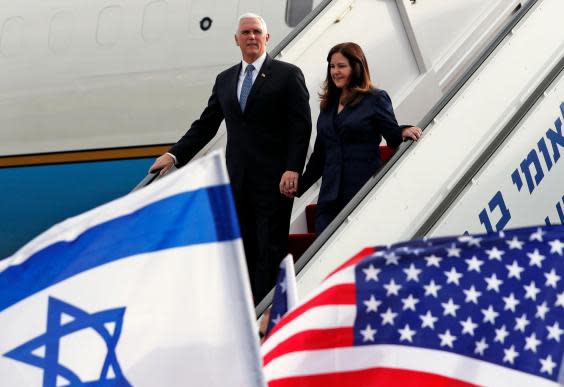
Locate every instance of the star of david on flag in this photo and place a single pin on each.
(461, 311)
(285, 293)
(135, 292)
(110, 372)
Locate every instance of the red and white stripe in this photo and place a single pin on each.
(312, 346)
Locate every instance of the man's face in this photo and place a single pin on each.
(251, 39)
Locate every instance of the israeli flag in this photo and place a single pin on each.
(285, 293)
(148, 290)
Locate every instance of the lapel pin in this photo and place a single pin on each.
(263, 75)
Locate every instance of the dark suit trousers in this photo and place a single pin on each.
(264, 218)
(325, 213)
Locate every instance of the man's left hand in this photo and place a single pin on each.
(289, 183)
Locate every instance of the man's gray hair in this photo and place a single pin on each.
(250, 15)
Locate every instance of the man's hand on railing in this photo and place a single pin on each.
(163, 163)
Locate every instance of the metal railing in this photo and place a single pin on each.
(308, 255)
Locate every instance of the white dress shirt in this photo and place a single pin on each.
(257, 63)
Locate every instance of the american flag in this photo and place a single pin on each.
(285, 293)
(461, 311)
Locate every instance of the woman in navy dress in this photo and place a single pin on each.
(353, 119)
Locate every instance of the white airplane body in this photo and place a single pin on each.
(92, 91)
(105, 74)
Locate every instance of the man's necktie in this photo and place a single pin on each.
(246, 87)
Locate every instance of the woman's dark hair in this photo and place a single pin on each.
(360, 82)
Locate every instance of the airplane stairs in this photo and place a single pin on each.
(489, 158)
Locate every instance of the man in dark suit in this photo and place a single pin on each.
(265, 106)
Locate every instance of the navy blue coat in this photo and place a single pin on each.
(346, 152)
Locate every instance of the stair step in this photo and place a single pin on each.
(298, 244)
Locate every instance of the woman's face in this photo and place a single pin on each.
(340, 70)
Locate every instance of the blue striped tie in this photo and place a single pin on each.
(246, 87)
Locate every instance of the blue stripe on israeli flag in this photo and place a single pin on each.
(200, 216)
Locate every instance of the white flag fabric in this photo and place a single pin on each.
(148, 290)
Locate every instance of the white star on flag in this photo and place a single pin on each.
(490, 315)
(472, 295)
(409, 302)
(388, 317)
(493, 282)
(432, 289)
(521, 323)
(514, 270)
(392, 259)
(537, 236)
(495, 253)
(501, 334)
(515, 243)
(392, 288)
(428, 320)
(542, 310)
(372, 304)
(468, 326)
(371, 273)
(560, 300)
(453, 276)
(556, 247)
(453, 251)
(433, 260)
(532, 343)
(510, 302)
(412, 273)
(481, 346)
(531, 291)
(536, 258)
(450, 308)
(368, 333)
(554, 331)
(510, 355)
(470, 240)
(547, 365)
(406, 334)
(552, 278)
(474, 264)
(447, 339)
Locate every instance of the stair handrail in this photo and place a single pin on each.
(403, 148)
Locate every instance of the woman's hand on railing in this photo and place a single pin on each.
(412, 132)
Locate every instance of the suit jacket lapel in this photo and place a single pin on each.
(326, 125)
(233, 80)
(335, 121)
(262, 77)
